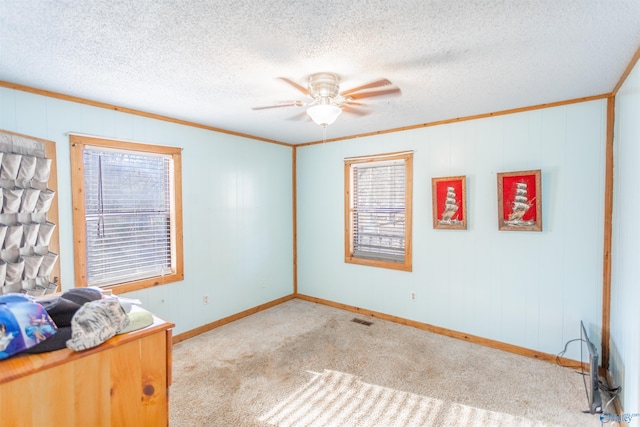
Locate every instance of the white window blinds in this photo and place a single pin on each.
(378, 210)
(128, 215)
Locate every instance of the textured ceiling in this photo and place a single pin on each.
(210, 62)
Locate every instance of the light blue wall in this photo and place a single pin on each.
(524, 288)
(237, 204)
(625, 252)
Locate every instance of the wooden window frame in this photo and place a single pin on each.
(349, 256)
(77, 146)
(53, 214)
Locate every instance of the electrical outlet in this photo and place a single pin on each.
(205, 299)
(413, 296)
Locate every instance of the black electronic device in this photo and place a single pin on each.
(591, 382)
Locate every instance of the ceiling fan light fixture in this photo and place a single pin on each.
(327, 100)
(324, 114)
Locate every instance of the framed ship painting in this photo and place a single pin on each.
(520, 201)
(449, 202)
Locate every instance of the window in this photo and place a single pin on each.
(127, 213)
(378, 195)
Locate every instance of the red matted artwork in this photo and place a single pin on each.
(520, 201)
(449, 202)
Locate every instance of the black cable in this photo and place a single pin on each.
(613, 393)
(581, 372)
(607, 389)
(564, 350)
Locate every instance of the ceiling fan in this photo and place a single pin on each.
(327, 102)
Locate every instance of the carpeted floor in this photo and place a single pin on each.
(305, 364)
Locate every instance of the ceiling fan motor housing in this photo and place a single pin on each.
(323, 85)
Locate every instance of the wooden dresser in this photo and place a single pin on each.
(122, 382)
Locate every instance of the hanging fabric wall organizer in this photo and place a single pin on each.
(26, 261)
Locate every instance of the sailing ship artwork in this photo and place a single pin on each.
(519, 199)
(449, 215)
(449, 203)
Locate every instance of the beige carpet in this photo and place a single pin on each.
(305, 364)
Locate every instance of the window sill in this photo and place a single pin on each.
(406, 266)
(137, 285)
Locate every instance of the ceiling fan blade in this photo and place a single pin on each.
(295, 85)
(302, 115)
(356, 111)
(281, 104)
(377, 83)
(350, 102)
(375, 93)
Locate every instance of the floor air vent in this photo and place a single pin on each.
(362, 322)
